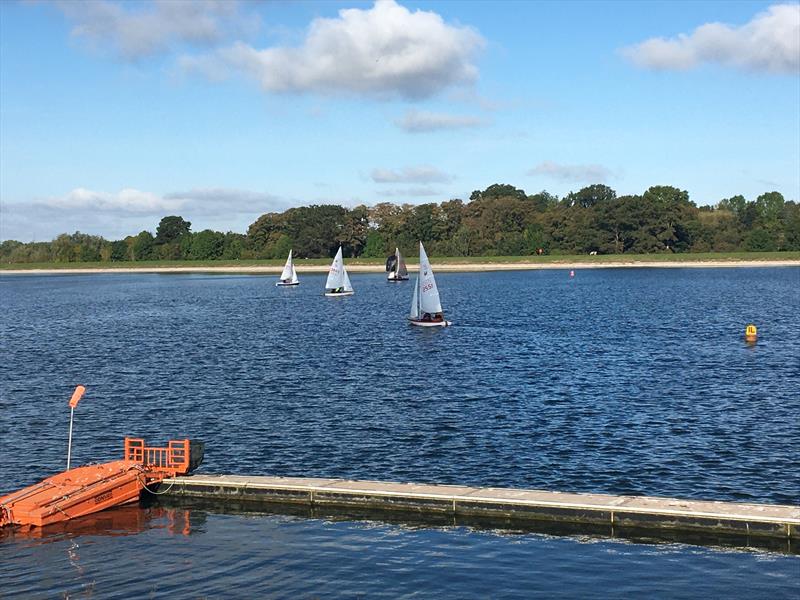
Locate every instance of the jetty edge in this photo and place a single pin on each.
(512, 505)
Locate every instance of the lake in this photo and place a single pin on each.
(621, 381)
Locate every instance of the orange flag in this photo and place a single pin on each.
(76, 396)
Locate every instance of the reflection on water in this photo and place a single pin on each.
(194, 553)
(122, 520)
(618, 381)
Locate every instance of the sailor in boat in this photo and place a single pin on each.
(432, 318)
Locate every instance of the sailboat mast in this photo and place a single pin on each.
(419, 292)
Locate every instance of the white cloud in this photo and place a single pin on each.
(422, 174)
(386, 51)
(572, 173)
(415, 121)
(124, 201)
(129, 211)
(220, 201)
(415, 192)
(136, 31)
(770, 42)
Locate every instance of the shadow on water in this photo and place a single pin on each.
(421, 520)
(185, 517)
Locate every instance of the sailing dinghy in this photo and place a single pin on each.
(338, 283)
(426, 308)
(397, 267)
(289, 274)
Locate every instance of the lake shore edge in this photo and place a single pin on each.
(439, 266)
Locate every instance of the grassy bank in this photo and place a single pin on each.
(437, 260)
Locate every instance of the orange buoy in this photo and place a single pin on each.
(751, 334)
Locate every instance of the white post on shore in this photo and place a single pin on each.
(73, 402)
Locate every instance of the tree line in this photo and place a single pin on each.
(501, 220)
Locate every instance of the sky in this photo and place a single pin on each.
(115, 114)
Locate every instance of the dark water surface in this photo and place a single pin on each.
(624, 381)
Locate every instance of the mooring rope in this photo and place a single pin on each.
(166, 491)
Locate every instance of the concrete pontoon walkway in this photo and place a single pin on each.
(775, 521)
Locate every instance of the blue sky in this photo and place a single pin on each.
(113, 115)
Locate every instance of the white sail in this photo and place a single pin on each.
(401, 268)
(288, 270)
(337, 273)
(294, 275)
(428, 292)
(348, 287)
(414, 313)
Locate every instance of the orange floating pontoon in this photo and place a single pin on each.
(85, 490)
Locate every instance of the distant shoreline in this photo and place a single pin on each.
(442, 267)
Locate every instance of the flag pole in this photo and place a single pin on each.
(69, 443)
(73, 402)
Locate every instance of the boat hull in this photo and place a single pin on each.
(288, 283)
(390, 278)
(89, 489)
(75, 493)
(337, 294)
(430, 323)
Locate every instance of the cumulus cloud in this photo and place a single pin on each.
(415, 121)
(136, 31)
(386, 51)
(125, 201)
(422, 174)
(770, 43)
(129, 211)
(216, 201)
(572, 173)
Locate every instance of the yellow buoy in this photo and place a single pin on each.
(750, 333)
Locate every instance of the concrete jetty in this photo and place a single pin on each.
(511, 505)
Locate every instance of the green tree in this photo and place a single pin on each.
(670, 212)
(143, 246)
(207, 245)
(119, 250)
(263, 233)
(498, 190)
(281, 246)
(315, 230)
(591, 195)
(64, 249)
(543, 201)
(234, 246)
(759, 240)
(734, 204)
(170, 229)
(375, 246)
(770, 207)
(791, 226)
(353, 235)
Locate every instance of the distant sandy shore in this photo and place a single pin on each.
(439, 267)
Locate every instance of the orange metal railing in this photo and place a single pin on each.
(173, 458)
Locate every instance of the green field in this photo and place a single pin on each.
(440, 260)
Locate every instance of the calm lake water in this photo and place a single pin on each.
(624, 381)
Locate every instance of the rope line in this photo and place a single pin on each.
(166, 491)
